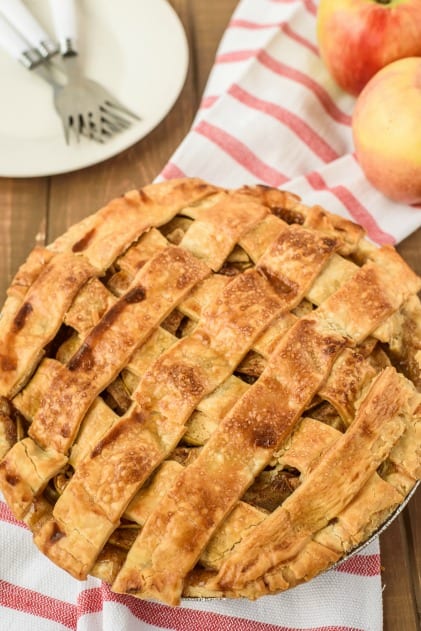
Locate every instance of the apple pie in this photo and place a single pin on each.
(208, 392)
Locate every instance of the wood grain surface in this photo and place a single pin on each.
(39, 209)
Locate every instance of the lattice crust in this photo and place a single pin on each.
(208, 392)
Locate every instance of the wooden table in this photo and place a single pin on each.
(39, 209)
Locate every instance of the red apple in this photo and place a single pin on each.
(359, 37)
(386, 126)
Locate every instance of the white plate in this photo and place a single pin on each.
(136, 48)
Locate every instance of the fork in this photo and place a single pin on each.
(85, 106)
(19, 16)
(28, 55)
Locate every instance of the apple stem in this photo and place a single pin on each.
(384, 1)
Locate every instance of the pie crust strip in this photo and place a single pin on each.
(303, 450)
(338, 270)
(106, 234)
(169, 392)
(216, 230)
(287, 207)
(102, 355)
(28, 327)
(171, 540)
(28, 272)
(353, 524)
(25, 471)
(8, 428)
(139, 441)
(246, 439)
(334, 482)
(157, 288)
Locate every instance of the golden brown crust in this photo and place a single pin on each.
(104, 236)
(351, 373)
(157, 288)
(28, 272)
(337, 478)
(189, 370)
(28, 326)
(240, 447)
(201, 391)
(215, 232)
(25, 471)
(9, 430)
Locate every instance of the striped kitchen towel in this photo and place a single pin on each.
(35, 595)
(272, 114)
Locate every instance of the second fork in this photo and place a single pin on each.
(86, 107)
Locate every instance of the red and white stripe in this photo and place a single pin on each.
(35, 594)
(271, 113)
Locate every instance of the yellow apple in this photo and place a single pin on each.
(386, 127)
(359, 37)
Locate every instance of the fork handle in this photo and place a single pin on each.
(25, 23)
(65, 25)
(16, 46)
